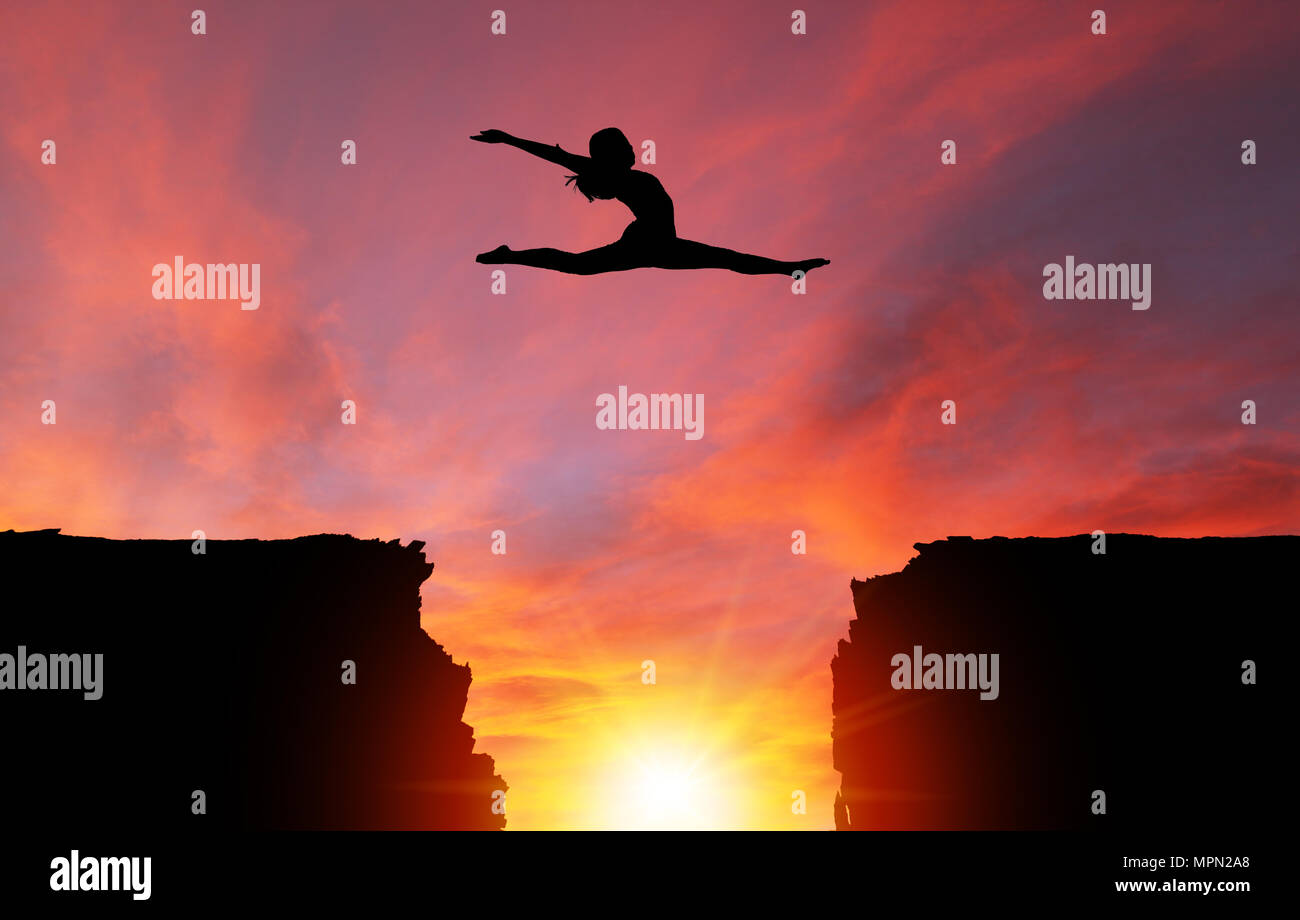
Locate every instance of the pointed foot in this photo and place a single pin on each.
(808, 265)
(495, 256)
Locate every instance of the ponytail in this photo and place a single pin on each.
(576, 182)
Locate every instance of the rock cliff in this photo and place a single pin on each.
(224, 672)
(1119, 672)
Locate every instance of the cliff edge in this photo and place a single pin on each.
(1003, 683)
(224, 672)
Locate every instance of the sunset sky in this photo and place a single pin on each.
(822, 411)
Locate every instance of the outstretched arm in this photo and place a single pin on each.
(555, 154)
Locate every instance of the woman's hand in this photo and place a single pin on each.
(491, 136)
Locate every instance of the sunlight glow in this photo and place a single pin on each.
(666, 794)
(665, 790)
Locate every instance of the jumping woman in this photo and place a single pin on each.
(650, 241)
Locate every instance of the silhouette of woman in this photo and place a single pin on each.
(650, 241)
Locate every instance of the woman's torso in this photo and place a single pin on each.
(646, 198)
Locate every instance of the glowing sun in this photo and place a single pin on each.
(666, 792)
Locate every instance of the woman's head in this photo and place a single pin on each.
(611, 157)
(610, 149)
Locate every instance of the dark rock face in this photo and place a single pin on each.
(222, 672)
(1120, 672)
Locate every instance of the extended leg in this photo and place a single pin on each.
(685, 254)
(612, 258)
